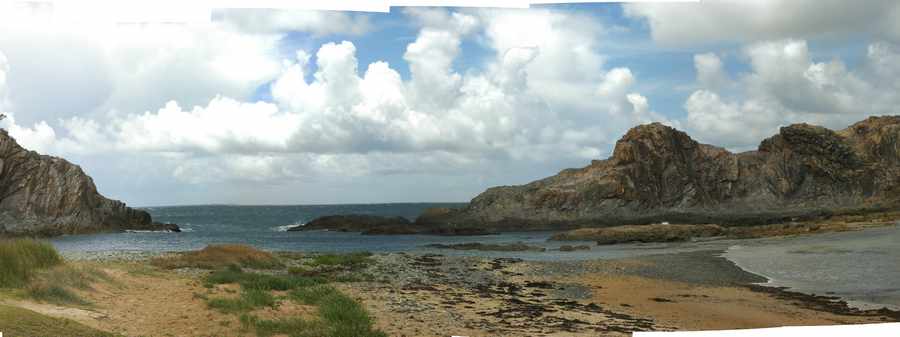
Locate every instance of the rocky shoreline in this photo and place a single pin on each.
(666, 232)
(415, 294)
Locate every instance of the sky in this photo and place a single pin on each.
(424, 104)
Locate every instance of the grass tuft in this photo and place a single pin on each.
(221, 255)
(292, 326)
(260, 281)
(250, 299)
(54, 294)
(21, 258)
(312, 295)
(351, 260)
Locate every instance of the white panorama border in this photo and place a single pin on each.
(199, 11)
(867, 330)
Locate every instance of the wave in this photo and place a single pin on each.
(286, 227)
(148, 231)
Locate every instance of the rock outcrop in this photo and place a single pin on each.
(353, 223)
(381, 225)
(657, 173)
(45, 196)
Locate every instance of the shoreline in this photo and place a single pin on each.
(688, 270)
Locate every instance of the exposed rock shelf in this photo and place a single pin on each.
(381, 225)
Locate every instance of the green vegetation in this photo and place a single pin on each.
(26, 323)
(219, 256)
(350, 261)
(345, 317)
(38, 268)
(250, 299)
(80, 276)
(339, 315)
(56, 294)
(312, 295)
(21, 258)
(234, 274)
(291, 326)
(336, 267)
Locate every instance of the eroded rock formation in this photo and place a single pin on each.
(44, 195)
(657, 173)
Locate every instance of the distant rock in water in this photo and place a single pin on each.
(382, 225)
(353, 223)
(46, 196)
(657, 173)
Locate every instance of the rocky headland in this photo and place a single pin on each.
(46, 196)
(659, 174)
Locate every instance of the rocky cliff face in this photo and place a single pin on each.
(657, 173)
(44, 195)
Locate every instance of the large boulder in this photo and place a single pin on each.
(44, 195)
(657, 173)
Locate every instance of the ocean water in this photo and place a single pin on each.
(862, 267)
(265, 227)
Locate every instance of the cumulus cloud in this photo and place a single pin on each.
(538, 98)
(710, 72)
(786, 85)
(747, 21)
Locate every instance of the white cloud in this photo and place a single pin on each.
(746, 21)
(710, 72)
(270, 21)
(108, 68)
(542, 98)
(786, 85)
(4, 70)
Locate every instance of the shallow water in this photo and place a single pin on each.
(863, 267)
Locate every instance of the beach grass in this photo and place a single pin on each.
(291, 326)
(250, 299)
(20, 259)
(234, 274)
(26, 323)
(338, 314)
(52, 293)
(219, 256)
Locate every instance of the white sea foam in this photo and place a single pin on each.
(286, 227)
(146, 231)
